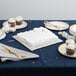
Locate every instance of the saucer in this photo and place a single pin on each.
(62, 51)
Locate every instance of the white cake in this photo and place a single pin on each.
(37, 38)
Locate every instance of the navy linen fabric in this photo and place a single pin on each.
(49, 56)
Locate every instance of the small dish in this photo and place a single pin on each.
(56, 25)
(62, 51)
(2, 34)
(24, 24)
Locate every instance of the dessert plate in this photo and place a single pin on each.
(15, 54)
(56, 25)
(24, 24)
(62, 51)
(2, 35)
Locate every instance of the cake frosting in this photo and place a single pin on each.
(37, 36)
(19, 18)
(11, 20)
(71, 47)
(70, 41)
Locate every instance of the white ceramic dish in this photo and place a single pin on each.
(24, 24)
(62, 51)
(56, 25)
(3, 35)
(9, 56)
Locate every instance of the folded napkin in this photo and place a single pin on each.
(14, 54)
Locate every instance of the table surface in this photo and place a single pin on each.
(49, 56)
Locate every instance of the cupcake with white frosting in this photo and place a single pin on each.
(19, 20)
(12, 22)
(70, 49)
(70, 41)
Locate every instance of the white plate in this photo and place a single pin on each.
(23, 25)
(3, 35)
(56, 25)
(62, 51)
(10, 56)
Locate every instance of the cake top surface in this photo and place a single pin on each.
(71, 46)
(40, 34)
(11, 20)
(19, 18)
(70, 41)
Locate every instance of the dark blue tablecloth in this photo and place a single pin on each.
(49, 56)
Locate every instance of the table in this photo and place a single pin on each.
(49, 56)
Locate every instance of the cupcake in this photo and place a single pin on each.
(70, 41)
(12, 22)
(70, 49)
(19, 20)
